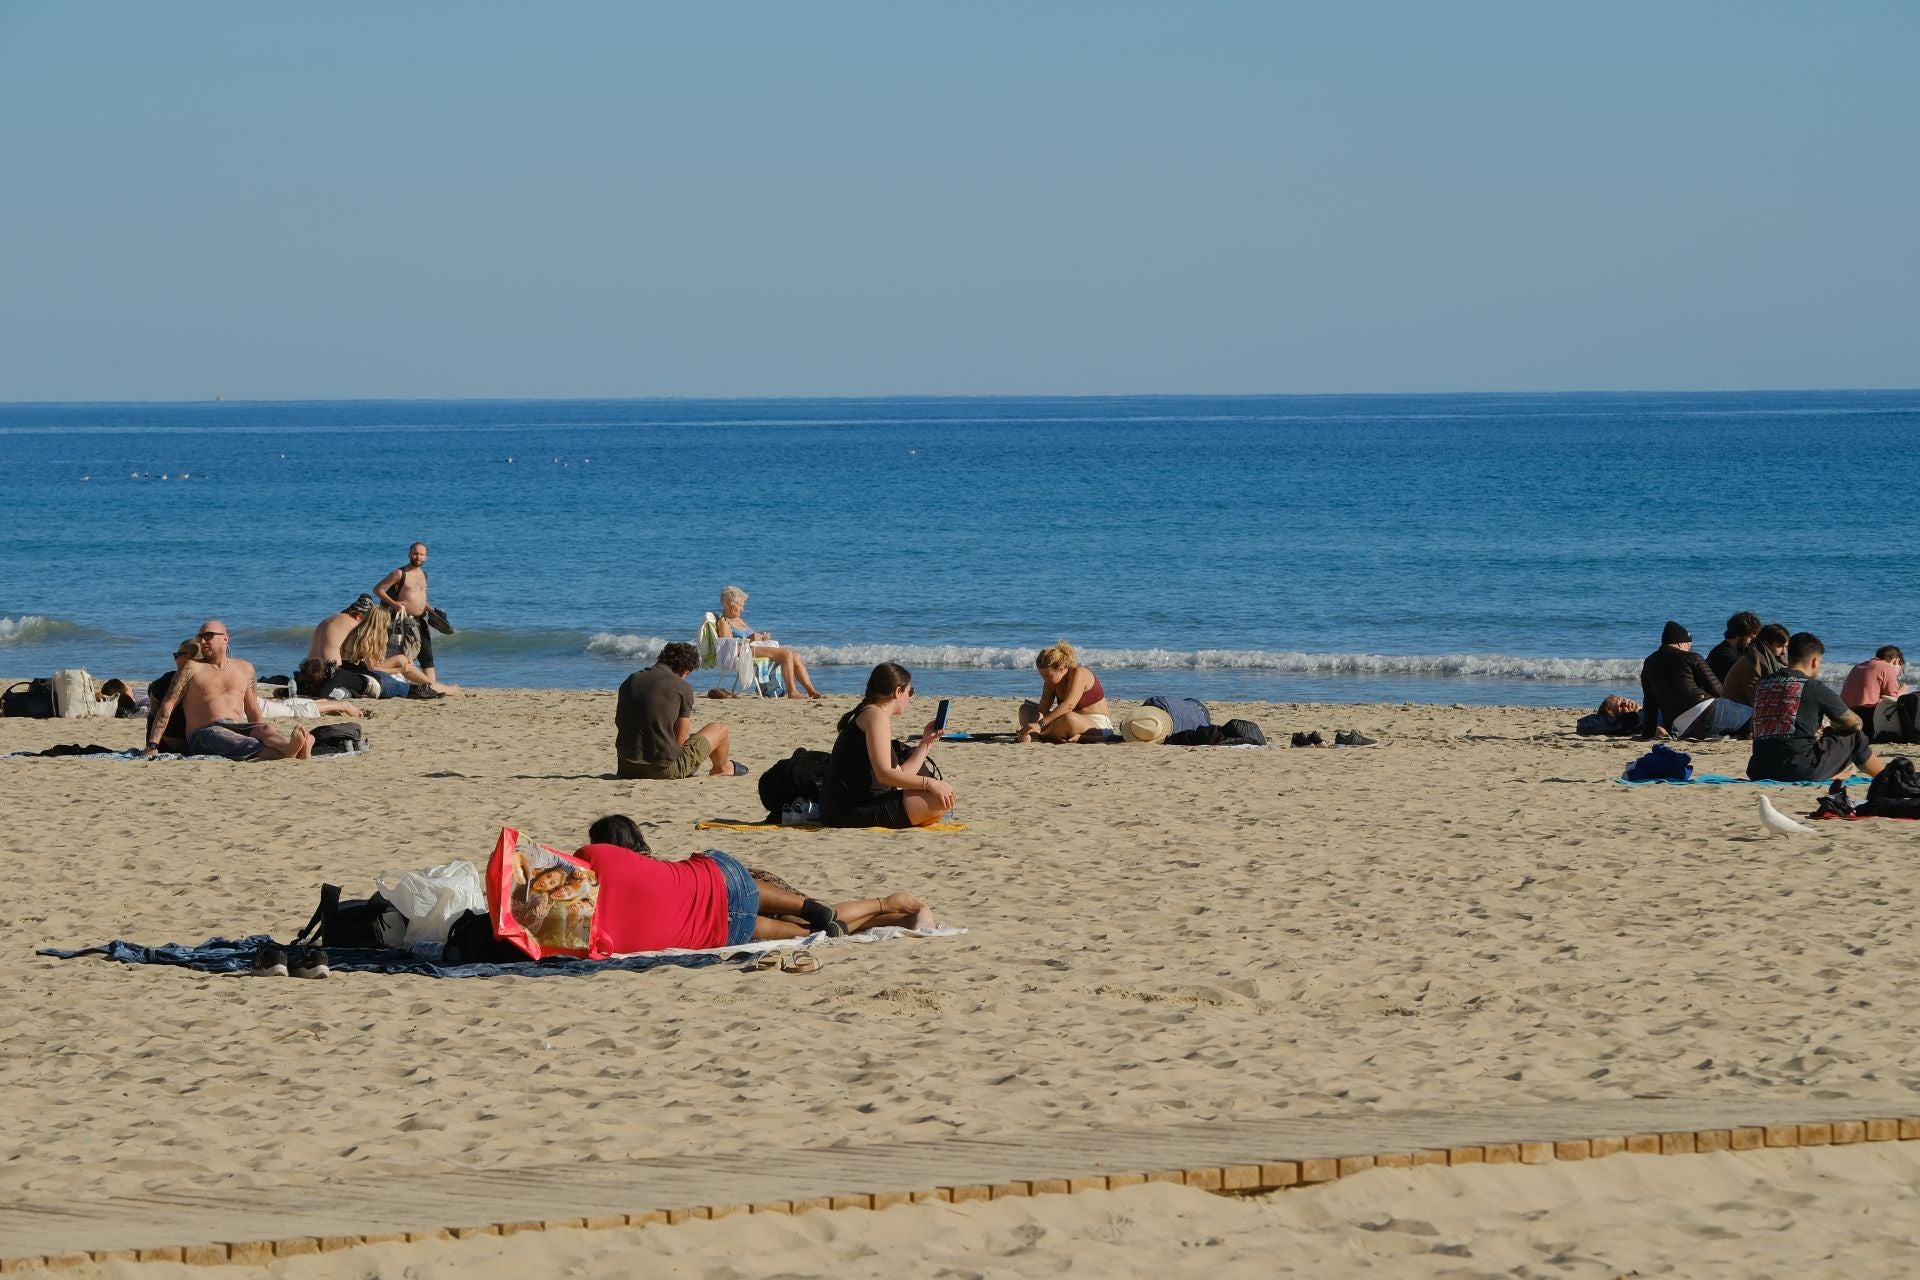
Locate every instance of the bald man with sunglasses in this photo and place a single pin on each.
(222, 707)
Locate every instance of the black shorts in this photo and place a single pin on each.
(425, 660)
(1833, 752)
(888, 810)
(1838, 750)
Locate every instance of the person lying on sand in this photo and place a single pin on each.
(711, 900)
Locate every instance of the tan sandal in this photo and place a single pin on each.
(801, 961)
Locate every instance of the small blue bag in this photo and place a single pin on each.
(1663, 762)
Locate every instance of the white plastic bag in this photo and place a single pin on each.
(432, 900)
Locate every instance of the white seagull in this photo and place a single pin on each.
(1779, 823)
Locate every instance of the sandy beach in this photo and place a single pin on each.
(1471, 913)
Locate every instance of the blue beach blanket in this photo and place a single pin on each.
(1728, 780)
(235, 955)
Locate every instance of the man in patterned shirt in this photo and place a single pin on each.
(1788, 707)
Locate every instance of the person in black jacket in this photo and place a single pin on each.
(1742, 627)
(1682, 697)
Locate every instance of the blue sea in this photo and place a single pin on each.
(1425, 548)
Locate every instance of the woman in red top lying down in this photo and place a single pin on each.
(711, 900)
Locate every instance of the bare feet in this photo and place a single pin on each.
(905, 904)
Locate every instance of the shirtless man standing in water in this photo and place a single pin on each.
(223, 708)
(406, 590)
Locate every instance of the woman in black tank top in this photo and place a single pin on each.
(864, 788)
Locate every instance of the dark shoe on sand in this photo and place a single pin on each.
(269, 961)
(308, 962)
(1309, 739)
(1353, 738)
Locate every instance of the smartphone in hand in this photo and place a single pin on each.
(940, 715)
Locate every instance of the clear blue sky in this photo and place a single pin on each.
(614, 199)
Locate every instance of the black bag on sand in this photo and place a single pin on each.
(799, 777)
(29, 698)
(338, 740)
(928, 769)
(354, 923)
(1906, 721)
(1234, 733)
(471, 940)
(1895, 793)
(1244, 733)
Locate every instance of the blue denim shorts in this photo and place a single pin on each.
(743, 898)
(229, 738)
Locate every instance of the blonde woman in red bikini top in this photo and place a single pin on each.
(1072, 706)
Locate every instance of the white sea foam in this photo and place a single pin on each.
(30, 628)
(998, 658)
(607, 644)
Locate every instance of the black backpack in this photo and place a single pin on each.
(337, 739)
(799, 777)
(1906, 715)
(354, 923)
(1244, 733)
(1895, 793)
(31, 698)
(471, 940)
(1234, 733)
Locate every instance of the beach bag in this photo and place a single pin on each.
(1898, 723)
(76, 697)
(542, 900)
(928, 769)
(1895, 792)
(432, 900)
(1662, 763)
(365, 923)
(32, 699)
(338, 739)
(1242, 733)
(471, 941)
(405, 638)
(1187, 713)
(799, 777)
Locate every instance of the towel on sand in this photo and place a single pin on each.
(235, 955)
(731, 824)
(1728, 780)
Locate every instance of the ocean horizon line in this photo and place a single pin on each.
(935, 396)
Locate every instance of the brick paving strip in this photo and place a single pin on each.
(257, 1224)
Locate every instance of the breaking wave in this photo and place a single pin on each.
(31, 628)
(989, 657)
(643, 648)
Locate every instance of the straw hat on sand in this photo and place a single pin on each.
(1146, 724)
